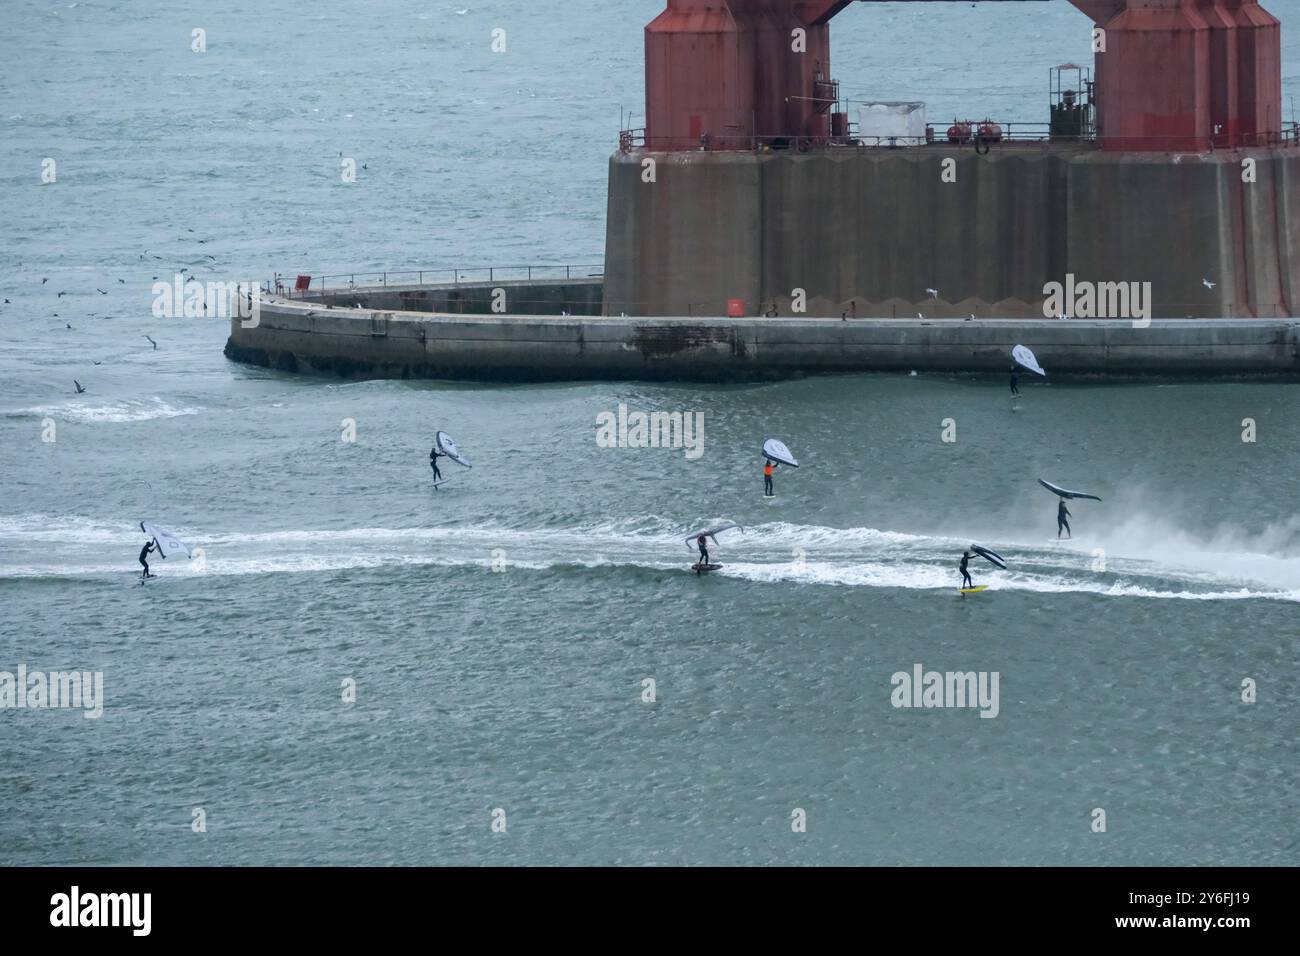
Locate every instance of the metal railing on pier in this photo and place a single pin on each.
(1009, 134)
(291, 285)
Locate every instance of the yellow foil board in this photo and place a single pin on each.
(982, 587)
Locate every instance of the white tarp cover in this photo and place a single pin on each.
(891, 124)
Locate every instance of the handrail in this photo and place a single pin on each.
(284, 284)
(937, 135)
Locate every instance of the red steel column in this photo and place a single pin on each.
(1259, 59)
(727, 69)
(1186, 74)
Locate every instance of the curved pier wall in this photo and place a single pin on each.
(868, 231)
(303, 337)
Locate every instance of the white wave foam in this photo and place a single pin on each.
(777, 553)
(85, 413)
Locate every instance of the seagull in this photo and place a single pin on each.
(45, 280)
(96, 363)
(123, 281)
(1208, 284)
(61, 295)
(155, 344)
(78, 384)
(934, 293)
(6, 301)
(100, 291)
(310, 314)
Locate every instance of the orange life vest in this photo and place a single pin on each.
(767, 470)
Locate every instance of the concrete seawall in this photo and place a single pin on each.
(868, 231)
(298, 336)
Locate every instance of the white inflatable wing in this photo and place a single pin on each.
(776, 450)
(168, 543)
(1026, 358)
(447, 445)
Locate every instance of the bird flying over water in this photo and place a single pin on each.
(1208, 284)
(153, 343)
(78, 384)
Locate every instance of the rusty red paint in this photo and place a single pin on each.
(1176, 74)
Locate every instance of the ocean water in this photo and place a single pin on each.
(499, 631)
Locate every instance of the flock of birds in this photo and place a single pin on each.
(80, 389)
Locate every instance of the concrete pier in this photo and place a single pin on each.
(868, 231)
(379, 342)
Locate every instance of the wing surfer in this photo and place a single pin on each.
(1015, 383)
(149, 547)
(1062, 513)
(703, 543)
(966, 582)
(434, 455)
(768, 467)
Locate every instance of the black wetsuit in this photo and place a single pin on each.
(702, 541)
(433, 463)
(144, 552)
(965, 575)
(1015, 379)
(1061, 523)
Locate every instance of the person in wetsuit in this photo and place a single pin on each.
(1062, 513)
(149, 547)
(966, 582)
(768, 466)
(434, 455)
(703, 542)
(1015, 383)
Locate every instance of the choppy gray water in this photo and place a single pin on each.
(499, 630)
